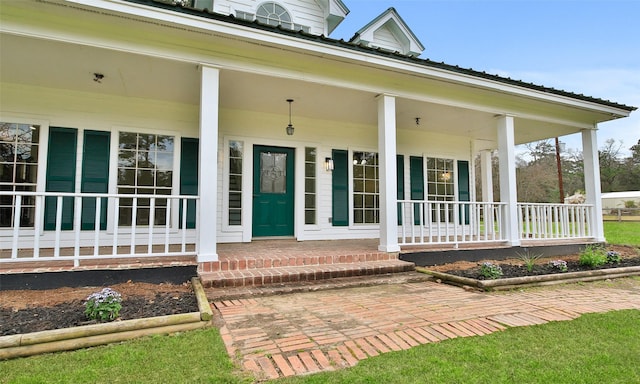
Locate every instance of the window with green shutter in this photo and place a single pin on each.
(95, 176)
(61, 175)
(340, 188)
(464, 193)
(400, 184)
(416, 180)
(189, 177)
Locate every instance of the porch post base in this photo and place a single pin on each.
(514, 243)
(389, 248)
(204, 257)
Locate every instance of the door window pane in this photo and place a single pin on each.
(273, 172)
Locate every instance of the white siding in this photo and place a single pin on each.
(383, 38)
(306, 12)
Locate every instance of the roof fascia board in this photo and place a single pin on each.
(342, 54)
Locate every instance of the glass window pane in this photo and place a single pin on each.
(165, 143)
(126, 158)
(6, 173)
(127, 140)
(126, 176)
(273, 173)
(146, 159)
(235, 183)
(309, 169)
(235, 200)
(27, 153)
(146, 142)
(164, 160)
(310, 217)
(164, 178)
(145, 177)
(235, 149)
(310, 201)
(235, 217)
(7, 152)
(310, 185)
(310, 154)
(235, 166)
(26, 173)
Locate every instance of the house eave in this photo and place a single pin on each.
(332, 49)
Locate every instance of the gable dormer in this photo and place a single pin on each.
(318, 17)
(388, 31)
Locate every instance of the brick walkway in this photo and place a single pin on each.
(294, 334)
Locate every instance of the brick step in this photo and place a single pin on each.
(288, 259)
(293, 274)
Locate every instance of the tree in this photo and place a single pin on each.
(610, 166)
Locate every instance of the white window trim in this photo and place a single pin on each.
(224, 162)
(113, 176)
(352, 225)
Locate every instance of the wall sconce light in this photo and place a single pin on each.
(328, 164)
(290, 127)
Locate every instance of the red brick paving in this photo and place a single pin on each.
(324, 330)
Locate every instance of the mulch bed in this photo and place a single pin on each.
(512, 270)
(16, 318)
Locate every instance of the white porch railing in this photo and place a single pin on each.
(423, 222)
(77, 239)
(555, 221)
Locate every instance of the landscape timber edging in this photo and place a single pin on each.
(84, 336)
(532, 281)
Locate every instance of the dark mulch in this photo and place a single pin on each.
(513, 270)
(70, 314)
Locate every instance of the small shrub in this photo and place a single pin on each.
(560, 265)
(490, 270)
(529, 260)
(593, 256)
(104, 305)
(613, 257)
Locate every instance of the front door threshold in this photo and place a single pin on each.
(273, 238)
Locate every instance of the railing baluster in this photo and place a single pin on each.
(184, 225)
(152, 221)
(56, 248)
(167, 221)
(37, 226)
(96, 228)
(77, 215)
(134, 219)
(116, 224)
(16, 226)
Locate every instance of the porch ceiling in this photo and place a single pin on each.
(52, 64)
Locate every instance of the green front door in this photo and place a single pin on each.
(273, 180)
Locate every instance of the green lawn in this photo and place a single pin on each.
(622, 233)
(595, 348)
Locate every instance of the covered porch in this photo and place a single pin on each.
(180, 129)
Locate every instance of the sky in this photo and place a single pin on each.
(589, 47)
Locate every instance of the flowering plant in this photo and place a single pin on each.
(559, 264)
(490, 270)
(104, 305)
(613, 257)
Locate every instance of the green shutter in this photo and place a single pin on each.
(400, 184)
(416, 180)
(95, 176)
(61, 175)
(340, 188)
(189, 177)
(463, 187)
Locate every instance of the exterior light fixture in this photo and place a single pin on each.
(97, 77)
(328, 164)
(290, 127)
(417, 121)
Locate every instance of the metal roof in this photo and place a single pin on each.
(165, 4)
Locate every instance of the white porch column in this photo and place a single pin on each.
(208, 164)
(508, 190)
(486, 176)
(387, 179)
(592, 180)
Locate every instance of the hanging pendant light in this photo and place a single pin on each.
(290, 127)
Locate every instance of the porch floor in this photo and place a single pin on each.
(262, 262)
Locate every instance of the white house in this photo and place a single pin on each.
(155, 127)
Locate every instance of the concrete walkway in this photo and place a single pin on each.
(276, 336)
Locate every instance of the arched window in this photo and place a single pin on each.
(274, 14)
